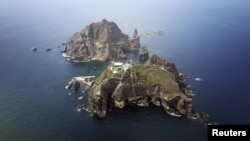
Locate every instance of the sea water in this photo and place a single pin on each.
(206, 40)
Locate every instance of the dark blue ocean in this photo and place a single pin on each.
(205, 39)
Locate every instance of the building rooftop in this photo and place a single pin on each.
(118, 64)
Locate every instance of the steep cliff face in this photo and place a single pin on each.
(157, 82)
(100, 41)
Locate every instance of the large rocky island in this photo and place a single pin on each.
(102, 41)
(155, 82)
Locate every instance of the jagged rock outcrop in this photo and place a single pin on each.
(135, 41)
(155, 82)
(101, 41)
(144, 55)
(73, 86)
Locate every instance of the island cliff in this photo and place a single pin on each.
(156, 82)
(102, 41)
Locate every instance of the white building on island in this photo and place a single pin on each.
(119, 66)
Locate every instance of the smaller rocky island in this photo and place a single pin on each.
(102, 41)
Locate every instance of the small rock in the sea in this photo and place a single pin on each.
(212, 123)
(73, 85)
(159, 32)
(48, 49)
(33, 49)
(205, 115)
(81, 108)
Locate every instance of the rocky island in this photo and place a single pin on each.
(154, 82)
(102, 41)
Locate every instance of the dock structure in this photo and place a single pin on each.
(88, 80)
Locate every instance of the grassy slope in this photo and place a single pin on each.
(149, 75)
